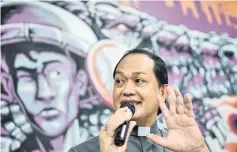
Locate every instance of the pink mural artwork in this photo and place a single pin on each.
(58, 59)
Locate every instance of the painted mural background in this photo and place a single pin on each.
(57, 59)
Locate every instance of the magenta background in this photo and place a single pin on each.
(174, 15)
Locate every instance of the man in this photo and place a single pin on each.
(141, 77)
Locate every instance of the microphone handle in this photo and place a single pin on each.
(121, 133)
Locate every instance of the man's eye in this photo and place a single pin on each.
(139, 81)
(119, 81)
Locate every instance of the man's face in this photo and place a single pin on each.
(135, 81)
(44, 86)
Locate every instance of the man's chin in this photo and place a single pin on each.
(135, 117)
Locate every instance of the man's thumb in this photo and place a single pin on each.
(158, 140)
(131, 126)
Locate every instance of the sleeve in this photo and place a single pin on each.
(88, 146)
(71, 150)
(79, 149)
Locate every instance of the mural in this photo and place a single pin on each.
(58, 58)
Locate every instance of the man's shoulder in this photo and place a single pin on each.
(91, 145)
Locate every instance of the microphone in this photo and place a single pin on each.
(122, 130)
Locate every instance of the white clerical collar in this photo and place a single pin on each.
(143, 131)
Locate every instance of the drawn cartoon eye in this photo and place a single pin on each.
(229, 54)
(55, 74)
(25, 78)
(123, 28)
(232, 120)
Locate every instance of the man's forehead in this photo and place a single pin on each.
(137, 57)
(136, 63)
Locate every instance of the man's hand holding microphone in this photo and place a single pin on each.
(114, 136)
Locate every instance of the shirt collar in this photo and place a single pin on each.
(143, 131)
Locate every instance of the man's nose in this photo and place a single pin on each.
(44, 92)
(129, 89)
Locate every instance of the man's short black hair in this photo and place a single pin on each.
(159, 68)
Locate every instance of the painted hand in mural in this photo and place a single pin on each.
(215, 124)
(212, 125)
(15, 129)
(106, 135)
(184, 134)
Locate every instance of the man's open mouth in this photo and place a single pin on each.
(136, 103)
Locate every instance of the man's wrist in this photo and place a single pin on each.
(202, 148)
(205, 149)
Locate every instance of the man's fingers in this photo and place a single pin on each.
(180, 102)
(119, 117)
(163, 108)
(131, 126)
(158, 140)
(171, 100)
(188, 102)
(188, 105)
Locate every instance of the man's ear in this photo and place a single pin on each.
(81, 82)
(163, 91)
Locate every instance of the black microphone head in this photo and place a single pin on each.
(128, 104)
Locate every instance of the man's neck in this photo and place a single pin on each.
(147, 122)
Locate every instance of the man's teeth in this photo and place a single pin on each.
(136, 103)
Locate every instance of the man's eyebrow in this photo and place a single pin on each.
(137, 73)
(118, 72)
(134, 73)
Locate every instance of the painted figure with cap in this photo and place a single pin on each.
(46, 66)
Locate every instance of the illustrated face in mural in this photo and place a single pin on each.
(45, 84)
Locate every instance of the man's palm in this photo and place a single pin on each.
(184, 134)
